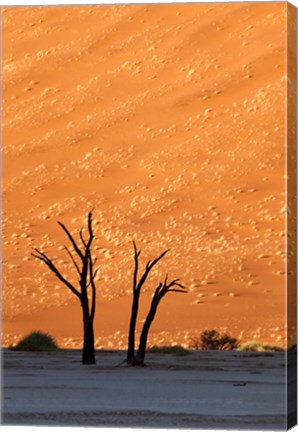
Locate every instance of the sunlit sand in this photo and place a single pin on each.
(169, 121)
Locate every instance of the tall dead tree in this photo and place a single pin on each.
(87, 273)
(160, 292)
(137, 286)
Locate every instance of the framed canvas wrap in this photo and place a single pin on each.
(149, 240)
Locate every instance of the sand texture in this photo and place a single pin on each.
(169, 121)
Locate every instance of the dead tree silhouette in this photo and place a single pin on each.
(137, 286)
(87, 274)
(160, 292)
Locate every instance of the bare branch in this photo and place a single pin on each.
(43, 257)
(137, 253)
(86, 256)
(90, 224)
(95, 272)
(177, 290)
(135, 275)
(150, 264)
(73, 260)
(92, 276)
(82, 238)
(167, 287)
(149, 267)
(157, 290)
(71, 240)
(175, 283)
(91, 235)
(181, 286)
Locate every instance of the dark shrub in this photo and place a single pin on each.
(210, 339)
(36, 341)
(175, 350)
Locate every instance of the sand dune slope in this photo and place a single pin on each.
(169, 121)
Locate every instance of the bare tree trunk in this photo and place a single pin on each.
(137, 286)
(140, 359)
(160, 292)
(132, 327)
(88, 354)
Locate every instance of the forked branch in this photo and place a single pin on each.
(137, 286)
(43, 257)
(162, 289)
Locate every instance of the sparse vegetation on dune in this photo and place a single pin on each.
(176, 350)
(36, 341)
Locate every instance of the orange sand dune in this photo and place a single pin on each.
(169, 120)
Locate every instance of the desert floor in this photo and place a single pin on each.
(169, 121)
(202, 390)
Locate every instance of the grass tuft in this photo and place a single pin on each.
(258, 347)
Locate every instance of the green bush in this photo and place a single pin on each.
(211, 339)
(258, 347)
(36, 341)
(175, 350)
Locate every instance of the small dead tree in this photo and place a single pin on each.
(87, 274)
(160, 292)
(137, 286)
